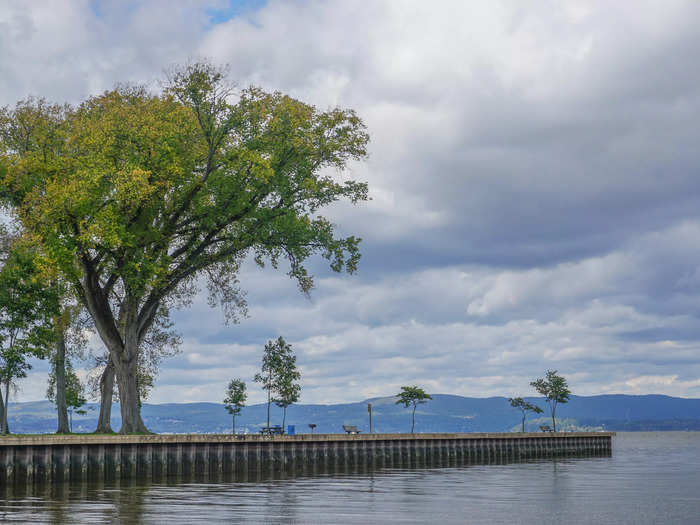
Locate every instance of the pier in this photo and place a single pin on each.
(55, 458)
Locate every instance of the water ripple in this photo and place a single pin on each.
(650, 478)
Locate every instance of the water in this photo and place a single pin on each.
(651, 478)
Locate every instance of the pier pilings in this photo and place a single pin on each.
(56, 458)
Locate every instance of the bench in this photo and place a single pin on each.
(546, 428)
(274, 429)
(351, 429)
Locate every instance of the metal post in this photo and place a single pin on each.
(369, 409)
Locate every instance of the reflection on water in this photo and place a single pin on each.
(652, 477)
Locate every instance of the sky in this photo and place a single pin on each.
(533, 173)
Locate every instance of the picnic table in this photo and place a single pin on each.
(274, 429)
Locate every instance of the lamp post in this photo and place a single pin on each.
(369, 409)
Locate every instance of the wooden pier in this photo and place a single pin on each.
(55, 458)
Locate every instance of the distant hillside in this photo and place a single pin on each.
(445, 413)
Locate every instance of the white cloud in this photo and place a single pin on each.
(532, 171)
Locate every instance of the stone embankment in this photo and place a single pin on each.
(51, 458)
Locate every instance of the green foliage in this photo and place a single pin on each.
(412, 396)
(278, 366)
(524, 407)
(154, 188)
(236, 397)
(75, 390)
(275, 355)
(288, 390)
(555, 389)
(28, 307)
(279, 375)
(136, 196)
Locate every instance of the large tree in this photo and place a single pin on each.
(555, 390)
(136, 196)
(161, 342)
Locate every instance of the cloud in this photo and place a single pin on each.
(533, 174)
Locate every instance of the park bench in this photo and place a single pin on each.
(351, 429)
(274, 429)
(546, 428)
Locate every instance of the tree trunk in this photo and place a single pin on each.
(5, 425)
(269, 400)
(284, 416)
(554, 422)
(413, 419)
(60, 374)
(233, 429)
(129, 402)
(104, 421)
(523, 427)
(2, 412)
(122, 336)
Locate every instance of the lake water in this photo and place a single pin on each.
(651, 478)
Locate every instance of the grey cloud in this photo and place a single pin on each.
(533, 171)
(557, 157)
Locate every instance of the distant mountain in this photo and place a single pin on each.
(445, 413)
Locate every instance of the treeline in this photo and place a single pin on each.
(649, 425)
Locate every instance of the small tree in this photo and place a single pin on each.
(71, 340)
(555, 390)
(271, 363)
(412, 396)
(235, 399)
(13, 366)
(74, 392)
(524, 407)
(27, 310)
(288, 390)
(75, 397)
(278, 375)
